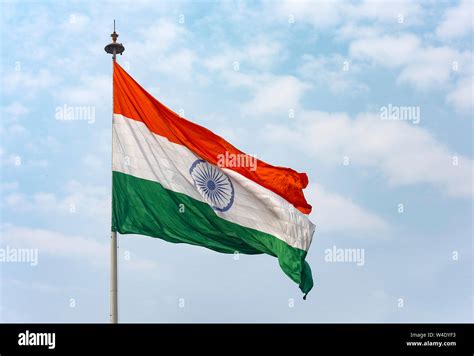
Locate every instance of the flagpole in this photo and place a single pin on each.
(113, 48)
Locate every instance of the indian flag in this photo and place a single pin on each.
(178, 181)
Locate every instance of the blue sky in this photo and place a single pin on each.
(297, 84)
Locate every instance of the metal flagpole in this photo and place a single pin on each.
(113, 48)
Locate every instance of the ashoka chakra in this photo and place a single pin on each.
(214, 185)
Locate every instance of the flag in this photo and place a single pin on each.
(180, 182)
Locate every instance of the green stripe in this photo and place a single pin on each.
(144, 207)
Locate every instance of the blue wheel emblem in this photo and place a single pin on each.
(214, 185)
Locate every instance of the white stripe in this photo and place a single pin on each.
(143, 154)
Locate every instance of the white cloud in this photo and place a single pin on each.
(92, 90)
(262, 53)
(335, 213)
(54, 243)
(32, 27)
(330, 71)
(276, 94)
(352, 31)
(399, 12)
(424, 67)
(163, 49)
(322, 14)
(16, 160)
(239, 79)
(462, 95)
(457, 21)
(8, 186)
(403, 153)
(16, 109)
(28, 83)
(75, 23)
(271, 94)
(390, 51)
(431, 67)
(177, 63)
(14, 129)
(325, 14)
(86, 200)
(45, 143)
(163, 34)
(9, 126)
(69, 247)
(93, 162)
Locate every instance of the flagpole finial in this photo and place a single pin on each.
(114, 48)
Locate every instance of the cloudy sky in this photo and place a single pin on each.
(302, 85)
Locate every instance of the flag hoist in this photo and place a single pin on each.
(113, 48)
(178, 181)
